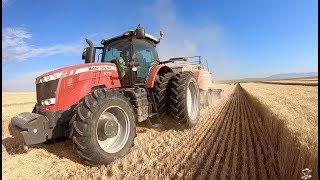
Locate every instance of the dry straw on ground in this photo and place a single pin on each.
(239, 137)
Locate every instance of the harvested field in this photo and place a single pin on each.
(18, 98)
(296, 106)
(232, 140)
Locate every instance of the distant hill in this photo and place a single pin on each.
(292, 75)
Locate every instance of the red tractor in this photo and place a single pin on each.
(97, 104)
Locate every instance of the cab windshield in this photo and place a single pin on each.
(141, 51)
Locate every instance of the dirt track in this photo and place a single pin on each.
(229, 142)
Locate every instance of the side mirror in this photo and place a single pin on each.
(161, 34)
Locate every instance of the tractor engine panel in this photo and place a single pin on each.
(62, 88)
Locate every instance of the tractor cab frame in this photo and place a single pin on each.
(133, 52)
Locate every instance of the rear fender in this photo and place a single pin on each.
(203, 77)
(157, 70)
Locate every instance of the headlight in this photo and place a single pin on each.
(48, 102)
(50, 77)
(46, 78)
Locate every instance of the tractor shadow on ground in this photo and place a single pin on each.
(13, 145)
(292, 156)
(63, 148)
(155, 124)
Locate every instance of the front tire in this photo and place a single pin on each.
(104, 127)
(184, 99)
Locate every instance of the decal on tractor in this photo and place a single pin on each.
(94, 68)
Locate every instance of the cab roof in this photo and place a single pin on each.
(130, 33)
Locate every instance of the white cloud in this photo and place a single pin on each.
(206, 39)
(16, 47)
(180, 39)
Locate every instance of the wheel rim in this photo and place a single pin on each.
(113, 129)
(192, 101)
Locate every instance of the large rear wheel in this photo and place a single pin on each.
(184, 99)
(104, 126)
(161, 97)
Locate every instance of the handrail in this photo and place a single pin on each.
(190, 59)
(203, 63)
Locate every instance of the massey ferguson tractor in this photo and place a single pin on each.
(97, 104)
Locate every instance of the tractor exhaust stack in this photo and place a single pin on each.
(90, 52)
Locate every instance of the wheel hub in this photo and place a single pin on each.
(111, 128)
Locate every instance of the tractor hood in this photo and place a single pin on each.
(74, 69)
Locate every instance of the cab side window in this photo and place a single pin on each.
(117, 50)
(111, 53)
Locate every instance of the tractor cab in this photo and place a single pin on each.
(133, 52)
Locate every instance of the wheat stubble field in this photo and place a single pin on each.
(256, 131)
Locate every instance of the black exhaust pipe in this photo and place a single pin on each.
(90, 52)
(89, 42)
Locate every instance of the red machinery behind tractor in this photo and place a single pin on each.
(97, 104)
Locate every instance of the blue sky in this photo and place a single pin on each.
(240, 39)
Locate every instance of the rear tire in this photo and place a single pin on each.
(161, 94)
(184, 99)
(104, 127)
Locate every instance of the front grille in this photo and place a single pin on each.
(46, 90)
